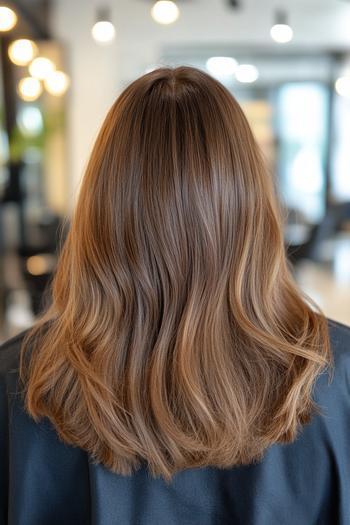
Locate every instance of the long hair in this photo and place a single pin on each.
(176, 335)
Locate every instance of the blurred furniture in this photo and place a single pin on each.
(38, 262)
(311, 246)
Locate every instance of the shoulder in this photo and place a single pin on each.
(10, 353)
(339, 335)
(332, 388)
(9, 364)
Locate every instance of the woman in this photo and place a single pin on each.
(179, 376)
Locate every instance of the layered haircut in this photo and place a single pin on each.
(176, 335)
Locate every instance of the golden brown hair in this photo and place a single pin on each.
(176, 334)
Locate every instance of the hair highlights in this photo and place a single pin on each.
(176, 334)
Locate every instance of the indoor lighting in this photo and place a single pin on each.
(22, 51)
(56, 83)
(41, 67)
(342, 86)
(40, 264)
(29, 88)
(247, 73)
(30, 121)
(103, 31)
(221, 66)
(281, 31)
(165, 12)
(8, 18)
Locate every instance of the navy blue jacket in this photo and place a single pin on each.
(45, 482)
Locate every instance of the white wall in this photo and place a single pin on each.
(95, 77)
(99, 73)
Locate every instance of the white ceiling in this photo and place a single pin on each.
(305, 5)
(99, 73)
(300, 4)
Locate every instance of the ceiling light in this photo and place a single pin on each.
(221, 66)
(281, 31)
(103, 31)
(22, 51)
(29, 88)
(56, 83)
(41, 67)
(247, 73)
(342, 86)
(8, 18)
(165, 12)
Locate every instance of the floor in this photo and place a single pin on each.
(328, 284)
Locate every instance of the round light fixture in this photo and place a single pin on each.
(30, 121)
(281, 32)
(29, 88)
(247, 73)
(165, 12)
(103, 32)
(56, 83)
(22, 51)
(221, 66)
(41, 67)
(342, 86)
(40, 264)
(8, 18)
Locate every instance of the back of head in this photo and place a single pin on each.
(176, 334)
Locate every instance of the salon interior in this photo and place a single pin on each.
(64, 62)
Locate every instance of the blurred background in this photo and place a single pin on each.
(63, 63)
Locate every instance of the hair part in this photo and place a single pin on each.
(176, 334)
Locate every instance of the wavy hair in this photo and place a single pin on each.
(176, 334)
